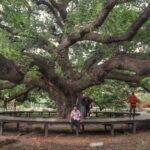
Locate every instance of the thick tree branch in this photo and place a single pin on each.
(69, 71)
(47, 68)
(7, 85)
(123, 62)
(132, 80)
(98, 21)
(20, 97)
(59, 20)
(94, 58)
(30, 85)
(126, 36)
(119, 75)
(61, 7)
(10, 71)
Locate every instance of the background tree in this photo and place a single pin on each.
(66, 46)
(110, 95)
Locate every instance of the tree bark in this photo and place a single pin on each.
(64, 101)
(9, 71)
(64, 109)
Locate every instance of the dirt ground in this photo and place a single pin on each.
(60, 138)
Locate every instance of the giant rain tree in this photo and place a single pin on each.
(66, 46)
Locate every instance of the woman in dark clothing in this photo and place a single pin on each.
(82, 103)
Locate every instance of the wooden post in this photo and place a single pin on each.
(29, 114)
(18, 125)
(134, 128)
(1, 128)
(96, 113)
(29, 126)
(71, 125)
(110, 115)
(105, 125)
(46, 129)
(83, 128)
(77, 131)
(112, 130)
(19, 114)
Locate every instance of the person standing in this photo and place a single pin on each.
(88, 106)
(76, 117)
(82, 103)
(5, 103)
(15, 104)
(133, 102)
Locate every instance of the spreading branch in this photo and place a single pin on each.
(74, 37)
(140, 67)
(52, 9)
(10, 71)
(7, 85)
(132, 80)
(98, 21)
(61, 8)
(47, 68)
(127, 35)
(94, 58)
(20, 97)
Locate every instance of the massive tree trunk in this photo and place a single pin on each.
(64, 104)
(65, 107)
(64, 101)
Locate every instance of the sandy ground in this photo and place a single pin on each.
(60, 138)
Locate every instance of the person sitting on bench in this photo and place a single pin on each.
(76, 117)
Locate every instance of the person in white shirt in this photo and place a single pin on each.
(76, 117)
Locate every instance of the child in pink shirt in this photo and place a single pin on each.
(75, 119)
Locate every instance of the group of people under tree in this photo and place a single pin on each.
(84, 103)
(82, 109)
(5, 104)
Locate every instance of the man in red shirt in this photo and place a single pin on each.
(132, 101)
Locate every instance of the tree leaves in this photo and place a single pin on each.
(111, 94)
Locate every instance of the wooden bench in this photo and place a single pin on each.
(28, 113)
(111, 122)
(113, 114)
(54, 113)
